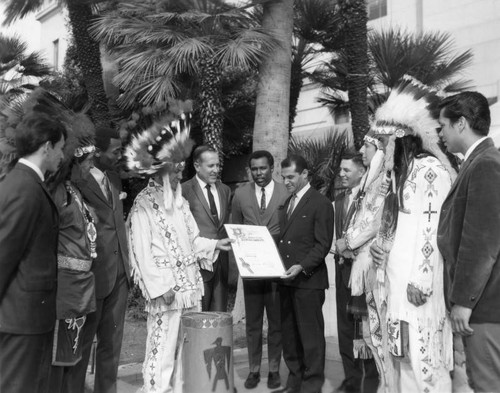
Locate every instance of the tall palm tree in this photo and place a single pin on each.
(354, 16)
(17, 67)
(273, 93)
(312, 19)
(80, 17)
(164, 46)
(428, 57)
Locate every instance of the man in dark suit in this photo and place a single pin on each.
(29, 226)
(306, 222)
(357, 372)
(257, 203)
(469, 236)
(102, 190)
(209, 201)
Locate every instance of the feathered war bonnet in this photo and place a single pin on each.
(411, 109)
(79, 127)
(163, 147)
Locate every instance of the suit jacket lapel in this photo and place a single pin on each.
(461, 173)
(303, 201)
(223, 207)
(271, 206)
(93, 186)
(199, 193)
(255, 204)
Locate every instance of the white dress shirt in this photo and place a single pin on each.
(214, 193)
(269, 189)
(34, 167)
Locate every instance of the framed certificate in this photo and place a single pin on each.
(255, 251)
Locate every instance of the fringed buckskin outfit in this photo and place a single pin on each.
(165, 248)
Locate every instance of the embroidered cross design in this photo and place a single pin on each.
(429, 213)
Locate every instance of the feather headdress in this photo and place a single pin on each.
(164, 144)
(411, 109)
(80, 129)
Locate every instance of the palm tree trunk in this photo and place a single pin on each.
(355, 18)
(273, 94)
(296, 81)
(210, 99)
(89, 56)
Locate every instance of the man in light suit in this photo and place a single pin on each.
(101, 189)
(257, 204)
(469, 236)
(306, 234)
(29, 225)
(209, 201)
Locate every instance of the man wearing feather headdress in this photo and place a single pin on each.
(165, 246)
(418, 327)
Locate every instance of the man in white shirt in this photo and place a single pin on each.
(101, 189)
(468, 236)
(257, 203)
(306, 233)
(209, 201)
(29, 227)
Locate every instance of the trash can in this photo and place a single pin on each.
(207, 352)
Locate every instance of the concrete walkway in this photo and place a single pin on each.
(130, 375)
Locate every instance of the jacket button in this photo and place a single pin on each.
(281, 241)
(289, 241)
(288, 256)
(116, 252)
(472, 298)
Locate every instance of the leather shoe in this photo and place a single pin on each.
(273, 380)
(347, 386)
(252, 381)
(286, 390)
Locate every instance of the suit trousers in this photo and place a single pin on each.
(482, 354)
(260, 295)
(25, 362)
(107, 323)
(303, 337)
(353, 368)
(215, 296)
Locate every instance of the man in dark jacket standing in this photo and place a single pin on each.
(102, 188)
(29, 226)
(469, 236)
(306, 222)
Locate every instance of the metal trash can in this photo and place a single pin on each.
(207, 352)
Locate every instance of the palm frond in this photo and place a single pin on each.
(18, 9)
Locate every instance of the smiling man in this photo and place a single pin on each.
(257, 203)
(209, 201)
(468, 236)
(306, 222)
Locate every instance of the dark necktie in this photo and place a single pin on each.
(211, 201)
(291, 206)
(346, 202)
(263, 200)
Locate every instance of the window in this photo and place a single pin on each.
(376, 9)
(55, 59)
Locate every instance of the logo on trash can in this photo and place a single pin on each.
(220, 355)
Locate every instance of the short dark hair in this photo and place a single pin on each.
(299, 161)
(471, 105)
(200, 150)
(103, 136)
(35, 129)
(261, 154)
(354, 156)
